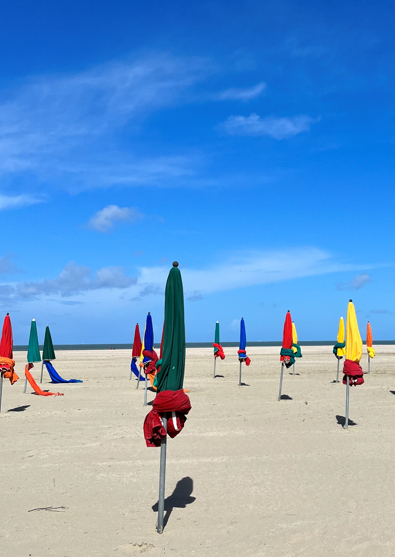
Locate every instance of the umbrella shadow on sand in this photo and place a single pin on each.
(179, 499)
(286, 397)
(19, 408)
(341, 420)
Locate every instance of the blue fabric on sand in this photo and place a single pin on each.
(55, 377)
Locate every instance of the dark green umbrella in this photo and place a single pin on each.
(33, 351)
(171, 375)
(48, 351)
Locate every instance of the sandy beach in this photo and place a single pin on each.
(250, 475)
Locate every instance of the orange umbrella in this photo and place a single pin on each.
(369, 345)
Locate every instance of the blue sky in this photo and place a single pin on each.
(252, 142)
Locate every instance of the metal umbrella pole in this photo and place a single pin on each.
(215, 364)
(24, 390)
(293, 369)
(162, 480)
(1, 389)
(337, 375)
(42, 371)
(281, 381)
(138, 378)
(368, 364)
(347, 401)
(240, 373)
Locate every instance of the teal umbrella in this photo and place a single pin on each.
(171, 375)
(48, 351)
(33, 351)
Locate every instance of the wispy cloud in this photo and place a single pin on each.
(16, 201)
(278, 128)
(50, 124)
(240, 94)
(255, 268)
(74, 279)
(382, 311)
(104, 220)
(358, 282)
(7, 266)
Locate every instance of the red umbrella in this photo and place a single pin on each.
(136, 352)
(6, 362)
(286, 353)
(6, 339)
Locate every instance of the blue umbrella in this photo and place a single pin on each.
(242, 348)
(148, 338)
(243, 339)
(148, 345)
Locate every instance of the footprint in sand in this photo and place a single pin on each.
(132, 548)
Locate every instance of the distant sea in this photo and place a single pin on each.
(193, 345)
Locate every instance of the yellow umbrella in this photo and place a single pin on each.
(294, 337)
(353, 373)
(353, 337)
(340, 339)
(339, 349)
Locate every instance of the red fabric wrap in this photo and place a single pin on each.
(220, 352)
(163, 405)
(354, 372)
(151, 366)
(247, 359)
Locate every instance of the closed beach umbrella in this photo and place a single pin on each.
(295, 346)
(48, 351)
(6, 362)
(339, 349)
(171, 403)
(150, 357)
(171, 376)
(287, 356)
(242, 348)
(33, 351)
(218, 350)
(353, 374)
(369, 345)
(136, 353)
(6, 343)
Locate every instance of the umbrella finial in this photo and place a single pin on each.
(175, 263)
(149, 313)
(8, 314)
(350, 300)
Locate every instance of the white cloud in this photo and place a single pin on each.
(242, 94)
(243, 270)
(104, 220)
(51, 124)
(358, 282)
(255, 268)
(16, 201)
(278, 128)
(74, 279)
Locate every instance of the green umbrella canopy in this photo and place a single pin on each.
(48, 351)
(33, 352)
(216, 337)
(171, 375)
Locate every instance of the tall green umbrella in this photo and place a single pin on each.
(48, 351)
(33, 351)
(171, 375)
